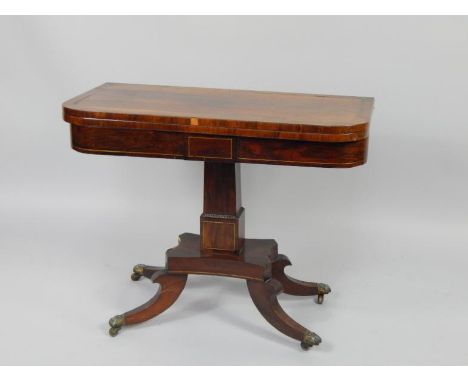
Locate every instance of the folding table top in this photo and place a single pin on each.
(237, 113)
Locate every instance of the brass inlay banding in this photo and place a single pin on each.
(210, 157)
(296, 161)
(219, 249)
(125, 152)
(237, 276)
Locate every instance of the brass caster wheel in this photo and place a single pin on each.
(323, 289)
(114, 331)
(137, 272)
(310, 339)
(116, 324)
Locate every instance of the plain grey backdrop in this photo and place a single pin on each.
(390, 237)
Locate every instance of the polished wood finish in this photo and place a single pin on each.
(106, 140)
(210, 148)
(258, 264)
(305, 117)
(291, 285)
(223, 128)
(296, 153)
(253, 264)
(222, 221)
(171, 286)
(156, 144)
(263, 295)
(222, 178)
(221, 125)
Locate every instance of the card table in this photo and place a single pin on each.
(222, 128)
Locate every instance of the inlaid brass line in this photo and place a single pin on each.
(219, 249)
(295, 161)
(237, 276)
(210, 157)
(125, 152)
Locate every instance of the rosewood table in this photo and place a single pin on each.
(223, 128)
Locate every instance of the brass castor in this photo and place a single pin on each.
(323, 289)
(113, 331)
(310, 339)
(116, 324)
(137, 272)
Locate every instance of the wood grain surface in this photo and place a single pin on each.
(306, 117)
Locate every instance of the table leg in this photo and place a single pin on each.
(171, 286)
(297, 287)
(263, 295)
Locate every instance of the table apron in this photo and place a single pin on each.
(177, 145)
